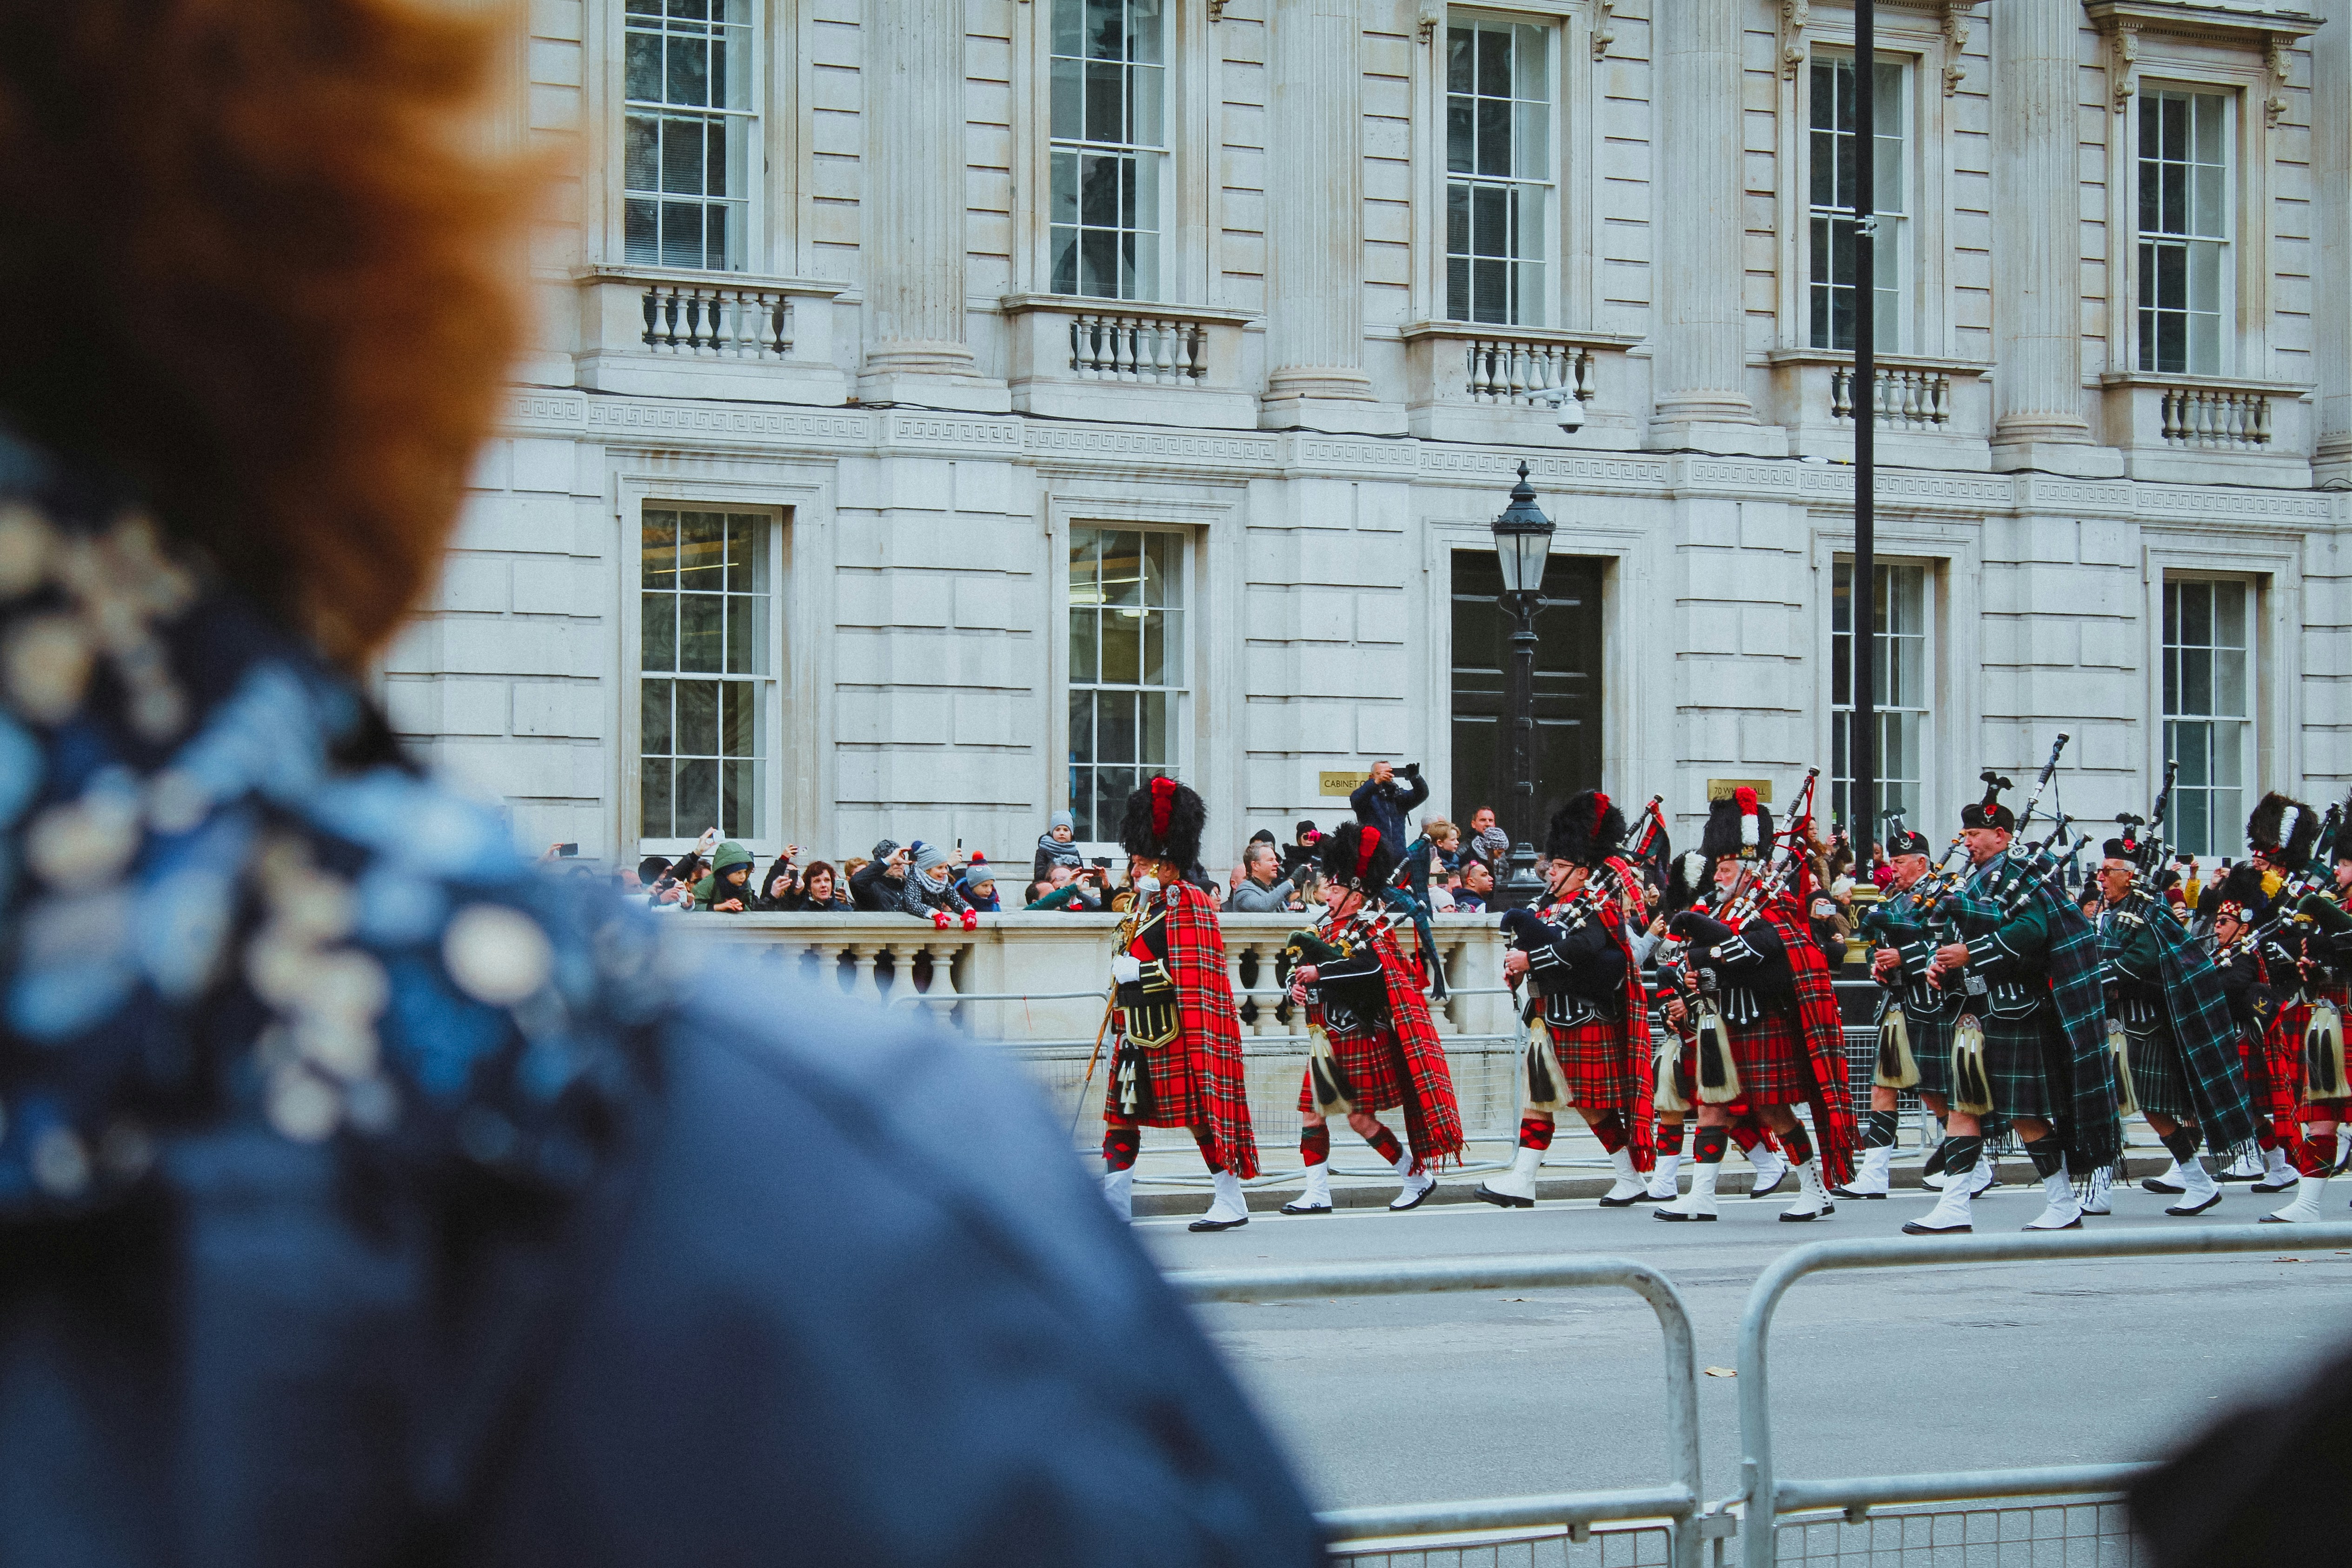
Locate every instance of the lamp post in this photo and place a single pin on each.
(1522, 539)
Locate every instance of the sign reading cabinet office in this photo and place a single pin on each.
(1340, 784)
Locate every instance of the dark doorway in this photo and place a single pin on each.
(1568, 688)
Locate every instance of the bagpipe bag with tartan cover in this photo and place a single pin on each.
(1824, 1033)
(2088, 1130)
(1432, 1118)
(2207, 1037)
(1209, 1029)
(1637, 1106)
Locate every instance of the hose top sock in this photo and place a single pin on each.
(1611, 1131)
(1315, 1145)
(1878, 1129)
(1384, 1144)
(1207, 1139)
(1120, 1145)
(1799, 1145)
(1535, 1131)
(1745, 1136)
(1670, 1138)
(2181, 1142)
(2048, 1158)
(1712, 1141)
(1959, 1155)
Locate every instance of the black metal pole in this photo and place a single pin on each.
(1523, 888)
(1862, 798)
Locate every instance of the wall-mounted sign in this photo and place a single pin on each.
(1340, 784)
(1720, 789)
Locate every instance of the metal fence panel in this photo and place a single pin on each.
(2088, 1533)
(1639, 1546)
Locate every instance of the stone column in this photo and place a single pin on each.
(2331, 184)
(2037, 248)
(1314, 197)
(1699, 371)
(913, 239)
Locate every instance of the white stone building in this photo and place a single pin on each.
(969, 543)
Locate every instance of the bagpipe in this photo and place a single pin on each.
(2287, 908)
(1788, 858)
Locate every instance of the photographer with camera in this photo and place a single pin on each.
(1380, 802)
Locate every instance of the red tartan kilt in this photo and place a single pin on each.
(1178, 1095)
(1771, 1057)
(1602, 1069)
(1375, 1067)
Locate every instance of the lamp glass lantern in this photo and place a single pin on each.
(1522, 539)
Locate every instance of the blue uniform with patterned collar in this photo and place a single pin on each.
(366, 1196)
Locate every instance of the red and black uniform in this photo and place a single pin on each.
(1370, 1005)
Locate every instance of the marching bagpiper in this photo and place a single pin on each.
(1914, 1017)
(1772, 1033)
(2233, 910)
(1588, 1028)
(2305, 1052)
(1373, 1046)
(1177, 1061)
(2030, 1041)
(2181, 1063)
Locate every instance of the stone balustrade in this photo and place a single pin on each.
(1128, 360)
(1928, 413)
(672, 332)
(1908, 397)
(2194, 428)
(1476, 381)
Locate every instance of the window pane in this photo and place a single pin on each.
(697, 798)
(1115, 726)
(747, 638)
(653, 722)
(658, 550)
(1122, 568)
(699, 625)
(1155, 647)
(1154, 720)
(745, 561)
(1083, 665)
(698, 719)
(1082, 726)
(1122, 647)
(653, 788)
(660, 632)
(702, 558)
(738, 719)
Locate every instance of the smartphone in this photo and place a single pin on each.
(1102, 863)
(567, 850)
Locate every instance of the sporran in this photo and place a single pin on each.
(1542, 1086)
(1667, 1096)
(1898, 1067)
(1334, 1096)
(2324, 1067)
(1718, 1073)
(1971, 1087)
(2120, 1054)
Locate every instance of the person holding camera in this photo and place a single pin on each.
(1380, 802)
(1258, 888)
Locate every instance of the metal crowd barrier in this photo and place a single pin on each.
(1766, 1500)
(1677, 1504)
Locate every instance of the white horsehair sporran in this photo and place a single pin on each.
(1718, 1073)
(1971, 1089)
(1667, 1092)
(2324, 1066)
(1542, 1086)
(2120, 1053)
(1334, 1096)
(1898, 1067)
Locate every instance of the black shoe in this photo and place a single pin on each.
(1217, 1224)
(1824, 1213)
(1677, 1216)
(2182, 1210)
(1915, 1228)
(1754, 1192)
(1486, 1194)
(2285, 1186)
(1640, 1197)
(1853, 1197)
(2273, 1219)
(2050, 1229)
(1398, 1206)
(2156, 1185)
(1294, 1206)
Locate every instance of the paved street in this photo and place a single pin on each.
(1429, 1397)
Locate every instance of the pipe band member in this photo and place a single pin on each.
(2025, 959)
(1777, 1005)
(1176, 1057)
(1593, 1050)
(1899, 963)
(2306, 957)
(1362, 992)
(2187, 1073)
(2230, 909)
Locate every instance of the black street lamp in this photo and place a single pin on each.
(1522, 539)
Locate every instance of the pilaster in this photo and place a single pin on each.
(2037, 298)
(914, 195)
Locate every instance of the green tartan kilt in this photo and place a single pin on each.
(2018, 1052)
(1931, 1048)
(2159, 1078)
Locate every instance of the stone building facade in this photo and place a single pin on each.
(942, 408)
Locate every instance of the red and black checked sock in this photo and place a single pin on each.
(2266, 1137)
(1670, 1138)
(1878, 1131)
(1746, 1137)
(1611, 1131)
(1315, 1145)
(1384, 1144)
(1712, 1141)
(1798, 1146)
(1120, 1146)
(1535, 1132)
(1207, 1139)
(2315, 1155)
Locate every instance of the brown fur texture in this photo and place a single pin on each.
(263, 273)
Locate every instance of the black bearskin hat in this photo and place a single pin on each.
(2283, 831)
(1988, 812)
(2342, 849)
(1738, 826)
(1586, 831)
(2239, 893)
(1164, 822)
(1686, 882)
(1357, 856)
